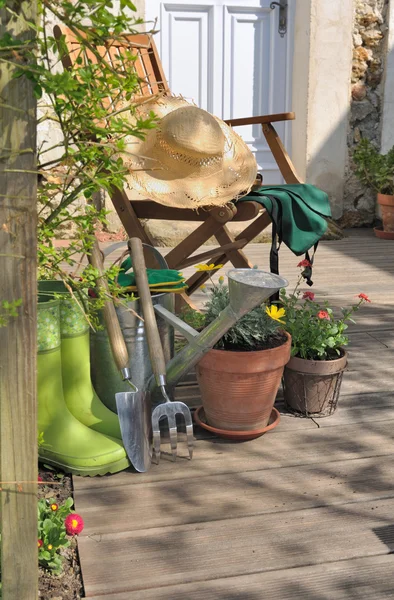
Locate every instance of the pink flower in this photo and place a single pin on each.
(323, 314)
(308, 296)
(364, 297)
(304, 263)
(74, 524)
(40, 479)
(40, 543)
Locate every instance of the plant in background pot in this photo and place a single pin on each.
(313, 376)
(240, 377)
(376, 171)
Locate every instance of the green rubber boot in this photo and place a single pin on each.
(68, 444)
(80, 397)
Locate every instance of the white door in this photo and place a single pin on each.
(228, 56)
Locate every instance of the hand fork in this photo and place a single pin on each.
(168, 409)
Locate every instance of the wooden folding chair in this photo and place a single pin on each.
(213, 221)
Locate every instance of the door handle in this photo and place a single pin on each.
(282, 29)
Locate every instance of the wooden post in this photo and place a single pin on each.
(18, 280)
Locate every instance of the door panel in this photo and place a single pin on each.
(229, 58)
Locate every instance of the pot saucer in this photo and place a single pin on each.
(383, 235)
(241, 436)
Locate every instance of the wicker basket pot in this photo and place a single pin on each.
(238, 389)
(311, 387)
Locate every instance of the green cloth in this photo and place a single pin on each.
(303, 211)
(160, 280)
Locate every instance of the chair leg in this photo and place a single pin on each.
(248, 234)
(237, 257)
(218, 216)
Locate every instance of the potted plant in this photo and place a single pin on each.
(312, 378)
(376, 171)
(240, 377)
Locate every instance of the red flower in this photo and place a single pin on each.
(39, 479)
(308, 296)
(364, 297)
(40, 543)
(54, 507)
(74, 524)
(304, 263)
(323, 314)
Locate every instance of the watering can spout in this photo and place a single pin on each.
(248, 288)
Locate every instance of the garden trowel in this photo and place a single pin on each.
(133, 407)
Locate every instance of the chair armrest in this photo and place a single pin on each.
(261, 120)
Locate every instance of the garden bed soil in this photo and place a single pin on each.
(68, 585)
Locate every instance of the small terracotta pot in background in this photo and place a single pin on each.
(386, 203)
(311, 387)
(238, 389)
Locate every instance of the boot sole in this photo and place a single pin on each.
(115, 467)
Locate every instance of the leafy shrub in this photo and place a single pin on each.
(374, 170)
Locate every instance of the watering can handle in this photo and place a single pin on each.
(115, 335)
(152, 333)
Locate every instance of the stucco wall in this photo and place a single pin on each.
(369, 54)
(321, 91)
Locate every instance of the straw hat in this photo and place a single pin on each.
(190, 159)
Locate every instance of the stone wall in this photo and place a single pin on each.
(369, 40)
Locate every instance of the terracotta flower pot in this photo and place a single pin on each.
(386, 203)
(311, 387)
(238, 389)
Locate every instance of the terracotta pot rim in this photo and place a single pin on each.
(383, 235)
(387, 199)
(234, 434)
(252, 352)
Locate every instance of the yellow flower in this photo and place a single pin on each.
(221, 280)
(275, 313)
(210, 267)
(49, 546)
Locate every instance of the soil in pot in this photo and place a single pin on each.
(238, 389)
(311, 387)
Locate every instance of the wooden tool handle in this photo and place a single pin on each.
(118, 345)
(152, 333)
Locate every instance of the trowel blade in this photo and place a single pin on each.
(134, 412)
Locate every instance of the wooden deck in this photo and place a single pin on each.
(303, 512)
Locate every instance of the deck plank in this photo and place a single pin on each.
(356, 579)
(246, 545)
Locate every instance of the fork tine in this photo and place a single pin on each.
(190, 440)
(156, 444)
(173, 435)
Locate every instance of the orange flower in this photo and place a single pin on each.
(364, 297)
(323, 314)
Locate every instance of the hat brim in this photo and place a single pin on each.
(173, 183)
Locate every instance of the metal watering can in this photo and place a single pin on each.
(248, 288)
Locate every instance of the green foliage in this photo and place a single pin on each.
(86, 160)
(8, 310)
(374, 170)
(254, 331)
(194, 318)
(316, 333)
(52, 533)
